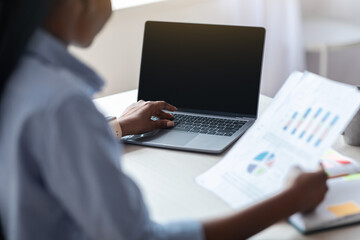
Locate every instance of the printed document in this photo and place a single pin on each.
(305, 118)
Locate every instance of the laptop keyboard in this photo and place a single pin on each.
(206, 125)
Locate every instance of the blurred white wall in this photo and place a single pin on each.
(342, 9)
(116, 53)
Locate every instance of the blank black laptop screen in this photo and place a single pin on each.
(212, 68)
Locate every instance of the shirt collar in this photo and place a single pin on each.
(56, 53)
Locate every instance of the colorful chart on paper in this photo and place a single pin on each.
(261, 163)
(312, 125)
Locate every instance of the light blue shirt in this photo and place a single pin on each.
(60, 175)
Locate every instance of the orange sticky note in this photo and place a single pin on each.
(344, 209)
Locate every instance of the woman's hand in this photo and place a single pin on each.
(309, 188)
(136, 118)
(303, 193)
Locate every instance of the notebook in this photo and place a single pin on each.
(341, 207)
(337, 165)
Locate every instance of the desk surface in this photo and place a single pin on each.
(166, 178)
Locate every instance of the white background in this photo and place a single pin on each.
(116, 53)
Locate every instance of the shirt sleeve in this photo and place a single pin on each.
(81, 168)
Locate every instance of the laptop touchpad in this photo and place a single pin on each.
(167, 137)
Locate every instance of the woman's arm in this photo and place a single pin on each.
(304, 192)
(80, 166)
(81, 171)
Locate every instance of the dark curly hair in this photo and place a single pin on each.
(1, 234)
(18, 21)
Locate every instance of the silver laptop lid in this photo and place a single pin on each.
(212, 69)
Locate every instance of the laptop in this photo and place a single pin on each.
(211, 73)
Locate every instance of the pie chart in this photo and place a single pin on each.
(261, 163)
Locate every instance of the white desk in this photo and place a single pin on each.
(166, 178)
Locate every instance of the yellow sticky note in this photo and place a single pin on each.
(344, 209)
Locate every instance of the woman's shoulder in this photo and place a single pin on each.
(39, 84)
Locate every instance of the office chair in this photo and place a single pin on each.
(324, 34)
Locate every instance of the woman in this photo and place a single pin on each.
(59, 171)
